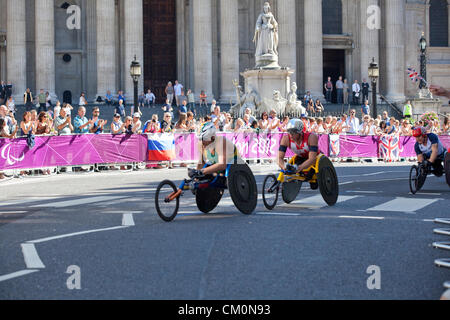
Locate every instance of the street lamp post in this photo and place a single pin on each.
(135, 72)
(423, 61)
(374, 74)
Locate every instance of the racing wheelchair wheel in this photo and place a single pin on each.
(167, 210)
(243, 188)
(290, 191)
(417, 178)
(447, 167)
(270, 192)
(328, 181)
(208, 199)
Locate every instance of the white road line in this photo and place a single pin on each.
(315, 202)
(127, 220)
(373, 174)
(367, 192)
(82, 201)
(74, 234)
(277, 214)
(23, 201)
(345, 183)
(361, 217)
(427, 194)
(16, 274)
(406, 205)
(31, 256)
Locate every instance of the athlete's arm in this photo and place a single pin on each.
(201, 161)
(434, 147)
(284, 145)
(313, 143)
(221, 149)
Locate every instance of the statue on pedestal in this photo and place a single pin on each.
(266, 39)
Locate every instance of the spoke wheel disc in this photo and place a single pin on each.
(270, 192)
(166, 210)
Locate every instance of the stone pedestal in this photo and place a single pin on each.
(264, 81)
(421, 106)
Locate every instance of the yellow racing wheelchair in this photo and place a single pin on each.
(322, 174)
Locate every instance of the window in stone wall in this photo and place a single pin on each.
(332, 16)
(438, 23)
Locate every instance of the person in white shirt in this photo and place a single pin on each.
(83, 101)
(178, 87)
(213, 106)
(352, 123)
(356, 88)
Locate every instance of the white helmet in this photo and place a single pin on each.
(295, 126)
(207, 132)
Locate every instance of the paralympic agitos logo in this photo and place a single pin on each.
(11, 160)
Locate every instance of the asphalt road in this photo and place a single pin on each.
(106, 226)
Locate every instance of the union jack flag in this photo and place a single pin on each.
(390, 148)
(414, 75)
(335, 149)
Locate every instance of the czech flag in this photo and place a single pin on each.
(161, 147)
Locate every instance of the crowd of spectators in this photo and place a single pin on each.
(41, 118)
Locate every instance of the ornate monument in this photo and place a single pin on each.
(267, 84)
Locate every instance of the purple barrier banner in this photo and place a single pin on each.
(53, 151)
(356, 146)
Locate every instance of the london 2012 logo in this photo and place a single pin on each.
(10, 159)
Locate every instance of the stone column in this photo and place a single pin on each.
(395, 50)
(448, 12)
(313, 48)
(287, 47)
(16, 51)
(106, 47)
(134, 45)
(229, 48)
(202, 47)
(45, 46)
(369, 40)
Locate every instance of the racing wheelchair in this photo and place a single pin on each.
(418, 173)
(322, 175)
(209, 190)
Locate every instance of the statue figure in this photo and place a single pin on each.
(294, 106)
(266, 37)
(250, 100)
(277, 103)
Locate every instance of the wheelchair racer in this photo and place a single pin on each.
(430, 150)
(305, 146)
(216, 151)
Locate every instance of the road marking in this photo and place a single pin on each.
(368, 192)
(31, 256)
(16, 274)
(315, 202)
(426, 194)
(127, 220)
(373, 174)
(23, 201)
(277, 214)
(362, 217)
(74, 234)
(345, 183)
(406, 205)
(82, 201)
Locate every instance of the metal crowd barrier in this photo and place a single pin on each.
(444, 262)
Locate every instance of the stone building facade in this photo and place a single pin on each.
(205, 44)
